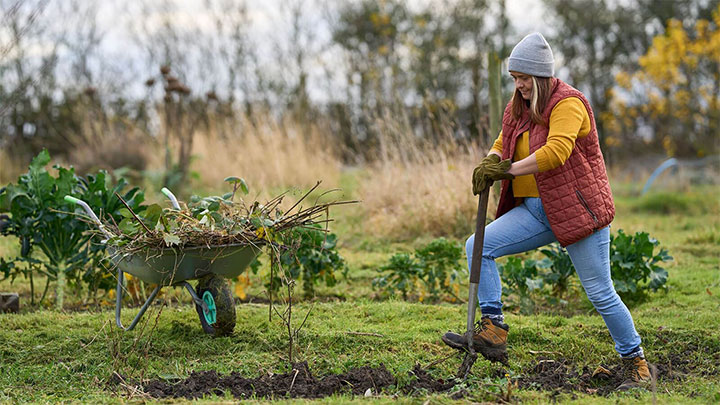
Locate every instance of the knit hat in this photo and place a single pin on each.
(532, 56)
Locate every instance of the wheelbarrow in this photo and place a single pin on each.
(173, 267)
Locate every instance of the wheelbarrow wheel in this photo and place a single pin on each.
(215, 291)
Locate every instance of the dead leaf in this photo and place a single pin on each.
(601, 372)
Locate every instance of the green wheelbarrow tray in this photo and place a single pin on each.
(172, 266)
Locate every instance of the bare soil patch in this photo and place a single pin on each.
(300, 382)
(555, 375)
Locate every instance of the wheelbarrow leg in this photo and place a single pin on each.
(195, 297)
(118, 303)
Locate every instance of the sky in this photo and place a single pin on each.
(123, 57)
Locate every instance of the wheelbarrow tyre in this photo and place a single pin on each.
(224, 304)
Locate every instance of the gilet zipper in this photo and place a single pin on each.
(587, 207)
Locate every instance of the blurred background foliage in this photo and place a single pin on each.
(193, 92)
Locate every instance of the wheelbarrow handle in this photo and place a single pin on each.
(90, 212)
(172, 197)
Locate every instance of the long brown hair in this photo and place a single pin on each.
(542, 86)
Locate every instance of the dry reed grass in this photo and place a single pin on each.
(419, 189)
(10, 167)
(110, 148)
(268, 155)
(414, 188)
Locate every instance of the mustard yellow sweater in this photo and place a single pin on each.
(568, 120)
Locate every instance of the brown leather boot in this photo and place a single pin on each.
(489, 339)
(636, 374)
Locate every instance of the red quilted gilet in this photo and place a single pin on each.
(576, 196)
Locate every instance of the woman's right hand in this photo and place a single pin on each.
(481, 180)
(490, 169)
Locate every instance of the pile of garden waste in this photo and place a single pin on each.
(214, 221)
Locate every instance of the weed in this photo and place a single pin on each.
(711, 237)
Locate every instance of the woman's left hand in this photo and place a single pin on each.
(499, 171)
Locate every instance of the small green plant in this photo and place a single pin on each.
(635, 266)
(311, 256)
(434, 270)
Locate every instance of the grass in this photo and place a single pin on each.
(51, 356)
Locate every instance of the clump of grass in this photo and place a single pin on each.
(711, 237)
(675, 203)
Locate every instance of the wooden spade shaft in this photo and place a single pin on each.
(477, 256)
(475, 280)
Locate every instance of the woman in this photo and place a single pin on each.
(554, 187)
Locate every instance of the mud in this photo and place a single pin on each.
(300, 382)
(425, 382)
(555, 375)
(560, 375)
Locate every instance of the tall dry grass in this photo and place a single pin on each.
(268, 155)
(10, 167)
(417, 188)
(413, 188)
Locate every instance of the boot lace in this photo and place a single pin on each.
(479, 326)
(630, 369)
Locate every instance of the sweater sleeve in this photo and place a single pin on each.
(566, 120)
(497, 145)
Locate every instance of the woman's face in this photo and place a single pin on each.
(523, 83)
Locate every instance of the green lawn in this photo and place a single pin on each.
(49, 356)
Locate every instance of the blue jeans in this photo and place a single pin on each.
(526, 227)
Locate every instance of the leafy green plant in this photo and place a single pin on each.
(523, 279)
(44, 221)
(314, 258)
(635, 266)
(404, 270)
(311, 256)
(442, 267)
(559, 269)
(434, 270)
(635, 270)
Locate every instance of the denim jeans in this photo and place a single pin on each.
(526, 227)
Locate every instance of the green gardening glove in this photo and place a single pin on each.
(480, 174)
(490, 169)
(480, 178)
(498, 171)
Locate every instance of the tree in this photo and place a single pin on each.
(675, 96)
(599, 38)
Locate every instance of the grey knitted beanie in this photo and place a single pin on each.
(532, 56)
